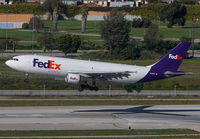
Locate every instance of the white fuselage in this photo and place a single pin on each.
(60, 67)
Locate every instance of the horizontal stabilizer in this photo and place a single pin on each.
(172, 74)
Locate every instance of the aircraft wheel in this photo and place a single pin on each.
(93, 88)
(81, 88)
(26, 80)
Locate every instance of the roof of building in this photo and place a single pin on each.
(93, 5)
(15, 17)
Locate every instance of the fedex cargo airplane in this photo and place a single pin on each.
(80, 71)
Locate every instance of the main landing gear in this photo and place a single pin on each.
(87, 86)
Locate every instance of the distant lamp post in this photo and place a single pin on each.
(159, 23)
(33, 28)
(131, 26)
(7, 30)
(110, 87)
(194, 20)
(175, 88)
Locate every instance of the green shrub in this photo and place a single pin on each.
(4, 42)
(146, 22)
(185, 39)
(68, 43)
(108, 9)
(25, 26)
(36, 23)
(72, 10)
(191, 2)
(87, 45)
(139, 23)
(152, 11)
(22, 9)
(192, 11)
(137, 87)
(173, 13)
(148, 54)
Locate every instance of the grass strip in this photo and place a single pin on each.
(13, 103)
(96, 132)
(102, 97)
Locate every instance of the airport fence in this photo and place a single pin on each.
(99, 93)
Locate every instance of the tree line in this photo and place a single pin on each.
(115, 30)
(55, 8)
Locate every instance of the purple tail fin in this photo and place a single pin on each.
(168, 65)
(173, 59)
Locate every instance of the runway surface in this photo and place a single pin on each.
(100, 117)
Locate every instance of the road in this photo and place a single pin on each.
(57, 53)
(113, 137)
(98, 35)
(100, 117)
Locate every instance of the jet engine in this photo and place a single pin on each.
(72, 78)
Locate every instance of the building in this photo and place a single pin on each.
(139, 3)
(168, 1)
(35, 1)
(71, 2)
(122, 3)
(116, 3)
(103, 3)
(12, 21)
(99, 16)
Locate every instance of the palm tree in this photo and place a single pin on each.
(54, 7)
(46, 41)
(84, 13)
(55, 18)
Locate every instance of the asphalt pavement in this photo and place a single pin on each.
(100, 117)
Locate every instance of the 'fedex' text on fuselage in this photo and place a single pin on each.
(47, 65)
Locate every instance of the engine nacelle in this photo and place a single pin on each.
(72, 78)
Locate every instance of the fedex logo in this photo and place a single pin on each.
(176, 57)
(74, 78)
(47, 65)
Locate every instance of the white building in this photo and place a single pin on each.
(168, 1)
(116, 3)
(122, 3)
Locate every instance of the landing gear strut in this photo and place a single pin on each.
(26, 78)
(94, 87)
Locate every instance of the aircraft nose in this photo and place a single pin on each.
(8, 62)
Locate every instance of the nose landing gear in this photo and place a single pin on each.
(26, 80)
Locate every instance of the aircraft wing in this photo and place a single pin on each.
(104, 75)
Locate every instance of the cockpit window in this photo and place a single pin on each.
(16, 59)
